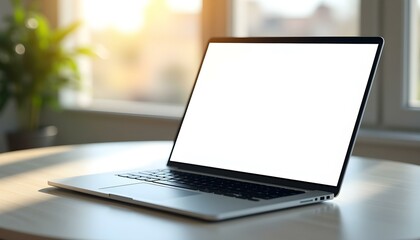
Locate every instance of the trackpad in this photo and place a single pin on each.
(145, 191)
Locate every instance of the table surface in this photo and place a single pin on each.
(379, 200)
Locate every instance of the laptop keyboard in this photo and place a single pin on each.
(209, 184)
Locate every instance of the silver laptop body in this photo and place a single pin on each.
(281, 112)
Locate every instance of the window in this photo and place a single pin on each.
(399, 109)
(393, 103)
(395, 98)
(149, 51)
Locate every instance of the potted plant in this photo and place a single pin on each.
(34, 67)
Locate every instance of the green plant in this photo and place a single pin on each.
(34, 64)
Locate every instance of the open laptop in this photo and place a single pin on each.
(270, 124)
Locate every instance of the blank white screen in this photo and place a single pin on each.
(276, 109)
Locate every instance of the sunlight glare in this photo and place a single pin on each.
(186, 6)
(124, 15)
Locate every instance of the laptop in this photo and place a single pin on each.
(270, 124)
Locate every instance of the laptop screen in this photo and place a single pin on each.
(284, 110)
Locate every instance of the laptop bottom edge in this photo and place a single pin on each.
(208, 207)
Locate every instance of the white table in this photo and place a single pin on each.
(379, 200)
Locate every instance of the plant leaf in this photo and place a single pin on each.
(62, 33)
(86, 51)
(19, 12)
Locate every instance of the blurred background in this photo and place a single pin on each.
(149, 52)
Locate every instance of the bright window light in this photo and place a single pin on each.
(149, 50)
